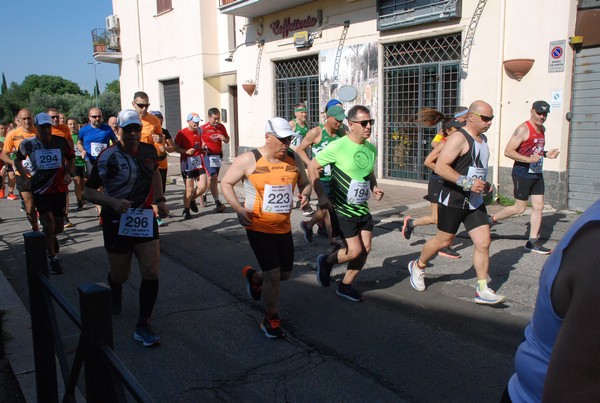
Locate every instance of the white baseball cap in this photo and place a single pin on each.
(279, 127)
(128, 117)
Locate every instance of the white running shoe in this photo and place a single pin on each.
(417, 276)
(488, 297)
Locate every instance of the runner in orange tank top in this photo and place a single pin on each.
(270, 174)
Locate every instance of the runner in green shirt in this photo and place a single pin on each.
(353, 181)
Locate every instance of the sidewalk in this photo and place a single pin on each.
(213, 348)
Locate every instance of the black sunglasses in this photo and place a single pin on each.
(364, 123)
(96, 116)
(142, 106)
(483, 117)
(54, 117)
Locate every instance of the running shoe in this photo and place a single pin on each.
(254, 290)
(449, 253)
(193, 206)
(145, 334)
(417, 276)
(220, 208)
(308, 232)
(12, 196)
(537, 248)
(408, 227)
(68, 224)
(22, 206)
(79, 205)
(323, 271)
(308, 211)
(349, 292)
(159, 222)
(2, 193)
(55, 267)
(488, 297)
(186, 214)
(272, 328)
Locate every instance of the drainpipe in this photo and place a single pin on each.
(380, 117)
(139, 59)
(499, 98)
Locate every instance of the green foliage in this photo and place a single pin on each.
(505, 201)
(50, 85)
(4, 87)
(69, 100)
(113, 86)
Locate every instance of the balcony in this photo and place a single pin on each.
(257, 8)
(106, 45)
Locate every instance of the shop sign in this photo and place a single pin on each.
(284, 27)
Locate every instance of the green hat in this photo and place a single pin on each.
(337, 112)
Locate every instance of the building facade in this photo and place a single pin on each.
(255, 59)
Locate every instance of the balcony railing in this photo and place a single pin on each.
(106, 45)
(104, 40)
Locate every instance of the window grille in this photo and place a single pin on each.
(417, 74)
(297, 81)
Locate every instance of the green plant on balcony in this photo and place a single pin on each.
(100, 42)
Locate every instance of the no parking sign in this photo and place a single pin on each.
(556, 58)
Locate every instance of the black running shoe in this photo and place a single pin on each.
(272, 328)
(349, 292)
(186, 214)
(308, 232)
(537, 248)
(146, 336)
(193, 206)
(408, 227)
(55, 267)
(323, 271)
(253, 289)
(449, 253)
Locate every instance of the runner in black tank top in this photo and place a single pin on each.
(463, 165)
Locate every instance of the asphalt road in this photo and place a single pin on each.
(398, 345)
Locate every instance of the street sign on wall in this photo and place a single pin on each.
(556, 57)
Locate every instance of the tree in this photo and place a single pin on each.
(96, 89)
(113, 86)
(4, 87)
(50, 85)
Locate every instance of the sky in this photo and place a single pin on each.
(54, 38)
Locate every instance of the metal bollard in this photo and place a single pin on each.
(96, 328)
(41, 326)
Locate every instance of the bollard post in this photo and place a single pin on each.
(96, 328)
(41, 326)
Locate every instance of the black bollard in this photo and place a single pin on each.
(41, 326)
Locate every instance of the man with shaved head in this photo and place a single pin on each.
(463, 164)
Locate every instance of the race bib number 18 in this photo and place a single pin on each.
(137, 223)
(277, 199)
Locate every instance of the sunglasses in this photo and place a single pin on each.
(132, 128)
(364, 123)
(142, 106)
(54, 117)
(95, 116)
(483, 117)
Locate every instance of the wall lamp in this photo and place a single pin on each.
(260, 44)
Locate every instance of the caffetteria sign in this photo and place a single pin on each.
(284, 27)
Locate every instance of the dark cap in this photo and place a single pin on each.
(541, 107)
